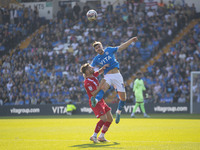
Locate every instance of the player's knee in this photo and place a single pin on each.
(122, 96)
(110, 120)
(123, 99)
(105, 88)
(104, 119)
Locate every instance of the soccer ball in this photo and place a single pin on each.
(91, 15)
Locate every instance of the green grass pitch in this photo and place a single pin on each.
(163, 132)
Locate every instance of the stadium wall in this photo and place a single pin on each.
(180, 2)
(36, 110)
(177, 2)
(45, 9)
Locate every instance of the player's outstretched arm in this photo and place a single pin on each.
(127, 43)
(101, 70)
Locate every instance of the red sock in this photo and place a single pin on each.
(98, 126)
(106, 126)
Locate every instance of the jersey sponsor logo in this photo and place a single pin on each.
(59, 109)
(24, 110)
(129, 109)
(86, 110)
(170, 109)
(105, 60)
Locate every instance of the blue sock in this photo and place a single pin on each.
(121, 105)
(99, 96)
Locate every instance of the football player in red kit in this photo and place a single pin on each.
(101, 109)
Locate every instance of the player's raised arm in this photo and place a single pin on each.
(94, 93)
(101, 70)
(127, 43)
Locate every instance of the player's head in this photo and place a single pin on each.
(98, 47)
(139, 74)
(86, 69)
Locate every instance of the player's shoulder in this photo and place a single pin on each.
(96, 57)
(107, 48)
(87, 80)
(110, 48)
(87, 83)
(96, 74)
(136, 80)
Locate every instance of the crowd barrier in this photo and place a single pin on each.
(28, 110)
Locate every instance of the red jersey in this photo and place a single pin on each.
(91, 84)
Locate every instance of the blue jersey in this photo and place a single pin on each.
(107, 58)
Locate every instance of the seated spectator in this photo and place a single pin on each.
(166, 98)
(27, 100)
(177, 95)
(19, 101)
(182, 99)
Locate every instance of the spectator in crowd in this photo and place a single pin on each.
(109, 8)
(182, 99)
(77, 10)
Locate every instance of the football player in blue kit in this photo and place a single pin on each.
(112, 74)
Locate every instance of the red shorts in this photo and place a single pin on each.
(100, 109)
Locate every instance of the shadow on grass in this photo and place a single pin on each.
(95, 145)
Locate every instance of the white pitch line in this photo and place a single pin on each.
(88, 140)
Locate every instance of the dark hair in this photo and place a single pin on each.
(139, 73)
(96, 43)
(84, 67)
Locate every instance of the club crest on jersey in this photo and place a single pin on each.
(106, 53)
(90, 88)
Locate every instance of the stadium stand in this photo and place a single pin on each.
(47, 71)
(150, 65)
(169, 76)
(15, 25)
